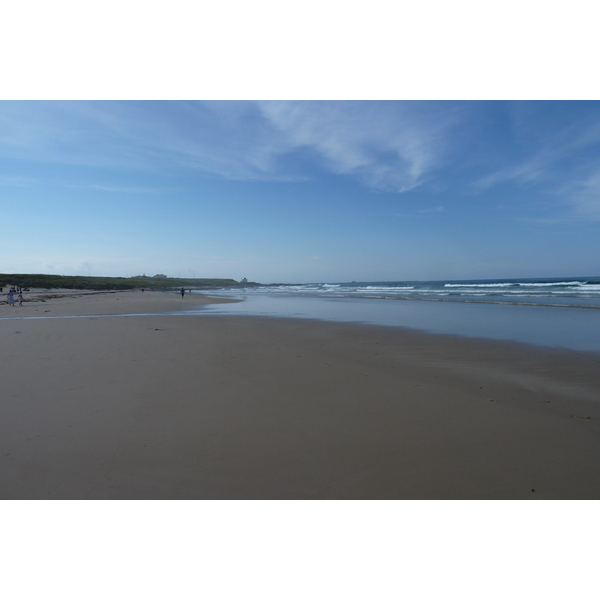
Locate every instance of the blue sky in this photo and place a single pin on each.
(301, 191)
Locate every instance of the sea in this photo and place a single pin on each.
(557, 312)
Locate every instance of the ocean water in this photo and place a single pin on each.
(558, 312)
(562, 291)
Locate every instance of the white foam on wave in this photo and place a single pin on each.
(521, 284)
(477, 285)
(590, 287)
(515, 291)
(374, 288)
(556, 283)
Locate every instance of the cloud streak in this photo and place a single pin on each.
(390, 146)
(387, 146)
(584, 196)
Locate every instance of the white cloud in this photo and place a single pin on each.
(37, 182)
(563, 163)
(544, 153)
(420, 213)
(531, 170)
(432, 210)
(16, 181)
(387, 145)
(118, 189)
(584, 196)
(390, 146)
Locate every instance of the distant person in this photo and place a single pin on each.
(20, 299)
(182, 292)
(11, 299)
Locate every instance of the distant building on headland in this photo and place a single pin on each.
(244, 280)
(160, 276)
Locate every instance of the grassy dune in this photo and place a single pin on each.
(110, 283)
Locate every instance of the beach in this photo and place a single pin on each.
(156, 405)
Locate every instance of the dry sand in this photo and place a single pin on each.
(63, 302)
(195, 407)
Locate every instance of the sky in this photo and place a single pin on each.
(301, 191)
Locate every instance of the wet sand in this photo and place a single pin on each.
(227, 407)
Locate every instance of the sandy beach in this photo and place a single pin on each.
(236, 407)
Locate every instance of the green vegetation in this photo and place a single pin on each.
(112, 283)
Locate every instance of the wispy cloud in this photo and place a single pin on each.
(557, 158)
(390, 146)
(542, 152)
(16, 181)
(533, 169)
(118, 189)
(423, 212)
(584, 196)
(432, 210)
(32, 182)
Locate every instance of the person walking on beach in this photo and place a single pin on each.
(20, 298)
(11, 299)
(182, 292)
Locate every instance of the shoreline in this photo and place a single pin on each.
(538, 325)
(66, 303)
(88, 303)
(243, 407)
